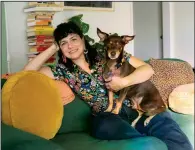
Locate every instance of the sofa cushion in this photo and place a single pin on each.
(37, 145)
(76, 117)
(31, 102)
(16, 139)
(181, 99)
(169, 74)
(83, 141)
(186, 123)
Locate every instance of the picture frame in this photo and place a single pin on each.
(88, 5)
(77, 5)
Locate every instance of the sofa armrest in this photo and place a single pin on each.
(36, 145)
(186, 123)
(16, 139)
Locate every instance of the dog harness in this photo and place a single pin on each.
(118, 65)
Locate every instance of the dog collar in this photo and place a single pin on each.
(118, 65)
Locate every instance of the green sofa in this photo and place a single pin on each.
(74, 134)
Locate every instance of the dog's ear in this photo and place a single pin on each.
(102, 35)
(127, 38)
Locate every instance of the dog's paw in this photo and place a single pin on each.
(133, 123)
(116, 111)
(109, 109)
(147, 121)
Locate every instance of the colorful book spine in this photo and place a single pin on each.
(40, 34)
(40, 28)
(39, 22)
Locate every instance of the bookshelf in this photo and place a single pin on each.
(39, 31)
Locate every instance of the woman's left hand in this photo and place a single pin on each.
(115, 83)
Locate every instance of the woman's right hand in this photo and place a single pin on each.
(37, 62)
(55, 46)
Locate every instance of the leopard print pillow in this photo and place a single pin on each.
(169, 74)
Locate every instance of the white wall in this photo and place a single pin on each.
(147, 20)
(178, 30)
(183, 31)
(118, 21)
(16, 36)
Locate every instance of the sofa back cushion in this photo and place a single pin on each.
(169, 74)
(76, 117)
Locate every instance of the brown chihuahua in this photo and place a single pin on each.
(144, 97)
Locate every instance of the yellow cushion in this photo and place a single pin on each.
(32, 102)
(181, 99)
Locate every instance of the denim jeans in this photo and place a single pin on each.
(108, 126)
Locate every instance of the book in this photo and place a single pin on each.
(37, 13)
(42, 8)
(40, 37)
(44, 32)
(40, 28)
(39, 18)
(36, 43)
(40, 40)
(39, 22)
(39, 48)
(43, 16)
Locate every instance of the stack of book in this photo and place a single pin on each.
(39, 33)
(39, 27)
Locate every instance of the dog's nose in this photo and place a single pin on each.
(113, 53)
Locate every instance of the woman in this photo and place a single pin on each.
(80, 66)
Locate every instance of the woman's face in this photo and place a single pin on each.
(72, 46)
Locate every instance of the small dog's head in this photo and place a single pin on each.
(114, 44)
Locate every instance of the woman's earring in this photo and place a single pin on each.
(64, 59)
(86, 56)
(85, 51)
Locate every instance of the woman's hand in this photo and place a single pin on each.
(115, 83)
(55, 46)
(39, 60)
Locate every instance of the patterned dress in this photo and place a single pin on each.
(89, 87)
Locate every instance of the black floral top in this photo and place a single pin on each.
(89, 87)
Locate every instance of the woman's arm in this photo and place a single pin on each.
(142, 73)
(38, 61)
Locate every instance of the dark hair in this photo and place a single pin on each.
(62, 31)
